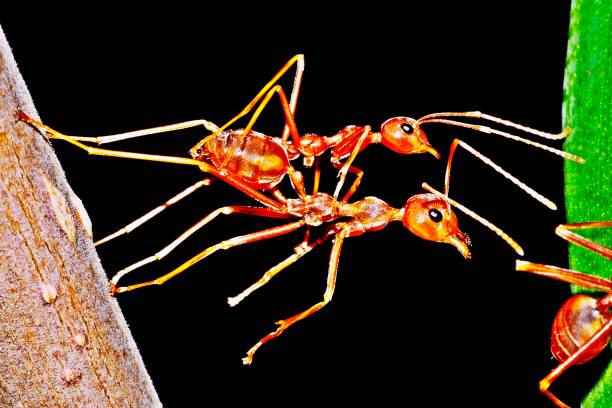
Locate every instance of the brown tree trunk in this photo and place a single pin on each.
(63, 339)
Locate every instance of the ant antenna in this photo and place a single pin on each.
(434, 118)
(517, 248)
(539, 197)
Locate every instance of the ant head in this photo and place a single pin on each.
(431, 218)
(403, 135)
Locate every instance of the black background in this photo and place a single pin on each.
(410, 319)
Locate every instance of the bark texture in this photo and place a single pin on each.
(63, 339)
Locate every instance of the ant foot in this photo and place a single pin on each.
(113, 289)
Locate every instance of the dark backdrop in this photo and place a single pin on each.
(410, 319)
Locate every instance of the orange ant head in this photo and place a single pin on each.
(431, 218)
(403, 135)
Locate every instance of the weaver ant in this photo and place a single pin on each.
(254, 162)
(583, 325)
(428, 216)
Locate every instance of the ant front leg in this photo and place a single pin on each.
(566, 275)
(351, 169)
(565, 231)
(327, 296)
(346, 166)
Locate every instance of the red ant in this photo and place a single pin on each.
(428, 216)
(254, 162)
(583, 325)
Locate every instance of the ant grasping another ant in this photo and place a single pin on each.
(253, 162)
(583, 325)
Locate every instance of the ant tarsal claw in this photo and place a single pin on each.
(113, 288)
(233, 301)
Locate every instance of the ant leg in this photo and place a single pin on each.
(565, 231)
(230, 243)
(486, 129)
(278, 195)
(296, 177)
(352, 169)
(359, 175)
(298, 60)
(327, 296)
(289, 122)
(317, 175)
(268, 90)
(347, 166)
(566, 275)
(141, 220)
(604, 332)
(211, 127)
(205, 167)
(299, 251)
(484, 116)
(495, 167)
(262, 212)
(297, 181)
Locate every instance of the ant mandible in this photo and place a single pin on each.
(583, 325)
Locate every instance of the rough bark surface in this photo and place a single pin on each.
(63, 339)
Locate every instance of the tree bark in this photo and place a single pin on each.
(63, 339)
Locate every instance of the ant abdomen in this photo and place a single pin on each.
(576, 322)
(260, 161)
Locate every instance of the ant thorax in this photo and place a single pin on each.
(316, 209)
(369, 214)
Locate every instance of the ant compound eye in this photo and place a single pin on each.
(435, 215)
(407, 128)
